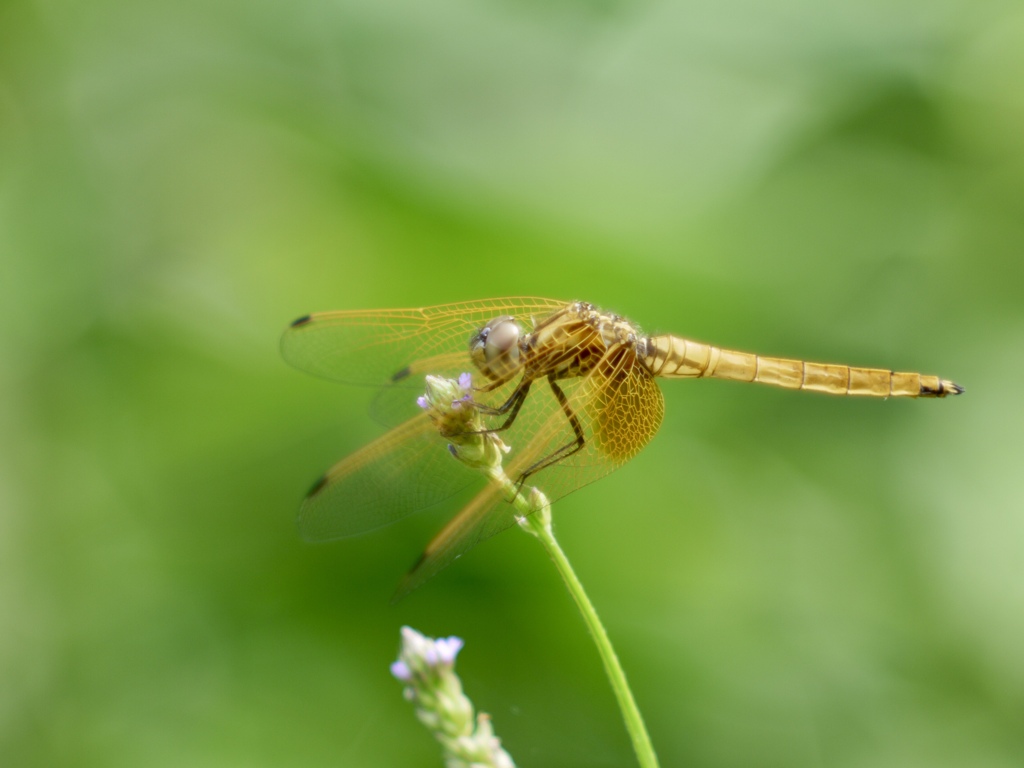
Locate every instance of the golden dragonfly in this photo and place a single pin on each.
(570, 389)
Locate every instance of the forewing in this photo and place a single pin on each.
(401, 472)
(385, 346)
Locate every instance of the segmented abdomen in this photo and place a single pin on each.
(675, 357)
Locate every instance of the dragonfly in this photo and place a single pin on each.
(570, 389)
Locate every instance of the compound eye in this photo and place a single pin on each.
(495, 349)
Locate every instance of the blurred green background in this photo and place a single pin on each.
(841, 182)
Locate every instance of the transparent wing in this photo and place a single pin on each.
(405, 470)
(408, 468)
(395, 348)
(383, 346)
(618, 407)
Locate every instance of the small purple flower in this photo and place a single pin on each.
(448, 648)
(465, 382)
(426, 667)
(422, 402)
(401, 671)
(457, 404)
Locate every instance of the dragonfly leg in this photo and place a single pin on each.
(513, 404)
(566, 450)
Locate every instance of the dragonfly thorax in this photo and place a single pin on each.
(570, 343)
(612, 329)
(564, 345)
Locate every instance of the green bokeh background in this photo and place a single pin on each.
(790, 579)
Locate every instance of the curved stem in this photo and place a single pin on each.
(539, 524)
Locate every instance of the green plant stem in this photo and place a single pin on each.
(539, 524)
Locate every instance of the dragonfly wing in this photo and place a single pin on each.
(381, 346)
(488, 514)
(624, 407)
(405, 470)
(618, 407)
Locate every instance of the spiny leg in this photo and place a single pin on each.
(513, 404)
(566, 450)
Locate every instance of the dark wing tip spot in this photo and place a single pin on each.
(301, 321)
(419, 561)
(317, 487)
(399, 375)
(408, 583)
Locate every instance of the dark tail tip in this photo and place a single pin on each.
(301, 321)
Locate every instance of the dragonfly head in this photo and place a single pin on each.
(494, 349)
